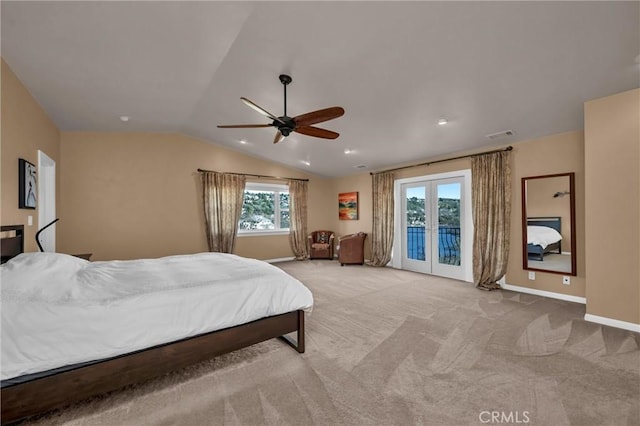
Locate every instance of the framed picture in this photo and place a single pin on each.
(348, 206)
(27, 184)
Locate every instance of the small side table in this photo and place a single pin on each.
(85, 256)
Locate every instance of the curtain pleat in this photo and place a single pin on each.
(222, 196)
(298, 218)
(491, 200)
(382, 232)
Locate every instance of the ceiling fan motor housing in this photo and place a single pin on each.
(288, 126)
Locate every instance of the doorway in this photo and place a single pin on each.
(433, 225)
(47, 200)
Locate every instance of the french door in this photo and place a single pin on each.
(433, 226)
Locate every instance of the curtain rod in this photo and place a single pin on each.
(256, 176)
(509, 148)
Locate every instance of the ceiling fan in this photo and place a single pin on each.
(299, 124)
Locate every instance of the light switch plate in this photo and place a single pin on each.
(29, 220)
(532, 275)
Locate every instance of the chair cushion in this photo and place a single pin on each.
(320, 246)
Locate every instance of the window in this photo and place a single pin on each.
(265, 209)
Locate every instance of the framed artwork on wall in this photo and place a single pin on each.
(27, 184)
(348, 206)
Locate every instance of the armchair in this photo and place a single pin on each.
(321, 244)
(351, 249)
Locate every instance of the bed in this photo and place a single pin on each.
(543, 236)
(98, 348)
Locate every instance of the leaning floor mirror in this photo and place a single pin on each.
(548, 223)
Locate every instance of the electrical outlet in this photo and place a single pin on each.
(566, 280)
(532, 275)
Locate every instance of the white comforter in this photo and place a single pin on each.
(59, 310)
(542, 235)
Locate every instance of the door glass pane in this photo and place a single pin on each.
(416, 219)
(449, 224)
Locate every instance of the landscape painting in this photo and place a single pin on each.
(348, 206)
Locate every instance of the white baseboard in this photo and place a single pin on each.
(612, 322)
(281, 259)
(543, 293)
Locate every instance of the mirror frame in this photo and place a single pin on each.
(572, 206)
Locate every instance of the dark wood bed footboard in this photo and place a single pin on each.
(539, 252)
(56, 391)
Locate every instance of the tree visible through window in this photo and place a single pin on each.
(265, 208)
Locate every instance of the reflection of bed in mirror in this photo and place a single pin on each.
(548, 223)
(543, 236)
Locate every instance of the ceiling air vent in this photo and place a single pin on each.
(500, 135)
(360, 166)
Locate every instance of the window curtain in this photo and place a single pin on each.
(222, 196)
(382, 233)
(298, 218)
(491, 200)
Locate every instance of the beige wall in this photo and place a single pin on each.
(561, 153)
(131, 195)
(25, 130)
(612, 165)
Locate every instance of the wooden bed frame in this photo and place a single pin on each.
(40, 395)
(554, 222)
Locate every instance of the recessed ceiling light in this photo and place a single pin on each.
(124, 118)
(442, 121)
(348, 151)
(242, 141)
(306, 163)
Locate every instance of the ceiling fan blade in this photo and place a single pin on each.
(319, 116)
(317, 132)
(261, 110)
(243, 126)
(279, 137)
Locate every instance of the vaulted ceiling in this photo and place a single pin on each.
(395, 67)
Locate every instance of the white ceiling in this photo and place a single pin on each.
(395, 67)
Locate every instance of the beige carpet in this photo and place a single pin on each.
(389, 347)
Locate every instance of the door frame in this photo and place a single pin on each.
(47, 200)
(466, 213)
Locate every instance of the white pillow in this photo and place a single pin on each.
(40, 276)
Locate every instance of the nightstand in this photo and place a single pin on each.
(85, 256)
